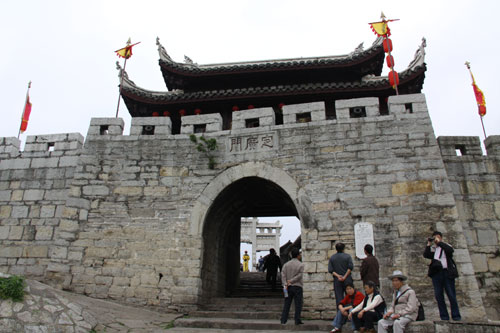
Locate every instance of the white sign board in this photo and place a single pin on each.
(363, 234)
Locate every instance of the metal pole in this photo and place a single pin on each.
(24, 108)
(121, 84)
(482, 124)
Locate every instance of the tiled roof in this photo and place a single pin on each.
(414, 73)
(190, 68)
(155, 97)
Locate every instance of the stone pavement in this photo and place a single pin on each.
(47, 310)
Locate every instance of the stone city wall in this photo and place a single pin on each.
(129, 215)
(475, 180)
(34, 232)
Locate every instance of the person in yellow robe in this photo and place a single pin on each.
(246, 259)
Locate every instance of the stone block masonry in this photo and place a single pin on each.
(475, 181)
(142, 219)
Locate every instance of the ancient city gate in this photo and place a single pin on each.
(146, 218)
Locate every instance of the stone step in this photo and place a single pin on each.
(238, 314)
(256, 293)
(246, 301)
(264, 325)
(252, 324)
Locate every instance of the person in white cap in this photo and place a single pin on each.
(404, 306)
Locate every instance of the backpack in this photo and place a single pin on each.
(421, 313)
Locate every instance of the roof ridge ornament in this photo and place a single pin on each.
(161, 51)
(120, 70)
(189, 61)
(419, 57)
(358, 49)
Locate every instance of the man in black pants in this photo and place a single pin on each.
(291, 277)
(271, 265)
(443, 278)
(340, 266)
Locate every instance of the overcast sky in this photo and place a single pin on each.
(67, 49)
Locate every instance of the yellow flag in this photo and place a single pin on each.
(380, 28)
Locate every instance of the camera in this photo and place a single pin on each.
(430, 239)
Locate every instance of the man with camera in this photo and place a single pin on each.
(443, 272)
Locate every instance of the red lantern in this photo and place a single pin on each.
(387, 45)
(166, 114)
(236, 108)
(155, 114)
(390, 61)
(197, 111)
(182, 112)
(393, 78)
(250, 107)
(281, 105)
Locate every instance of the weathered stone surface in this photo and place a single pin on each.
(414, 187)
(142, 219)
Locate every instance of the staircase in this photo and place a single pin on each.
(253, 306)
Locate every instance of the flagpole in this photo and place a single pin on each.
(482, 124)
(121, 84)
(24, 108)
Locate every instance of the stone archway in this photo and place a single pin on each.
(250, 189)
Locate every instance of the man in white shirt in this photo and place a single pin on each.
(443, 275)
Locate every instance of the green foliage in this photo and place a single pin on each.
(12, 287)
(205, 146)
(168, 325)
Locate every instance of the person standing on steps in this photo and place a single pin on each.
(271, 265)
(246, 259)
(443, 272)
(369, 267)
(261, 264)
(340, 266)
(291, 277)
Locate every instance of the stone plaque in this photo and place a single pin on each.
(252, 143)
(363, 234)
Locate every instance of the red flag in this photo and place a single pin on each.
(26, 114)
(481, 102)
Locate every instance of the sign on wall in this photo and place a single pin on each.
(363, 234)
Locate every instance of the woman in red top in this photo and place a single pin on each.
(350, 301)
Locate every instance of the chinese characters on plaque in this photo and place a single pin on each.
(363, 234)
(252, 143)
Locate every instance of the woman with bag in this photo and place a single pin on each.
(443, 272)
(370, 311)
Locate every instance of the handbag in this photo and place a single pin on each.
(421, 313)
(435, 266)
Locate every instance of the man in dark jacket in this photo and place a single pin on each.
(443, 277)
(340, 266)
(369, 267)
(271, 265)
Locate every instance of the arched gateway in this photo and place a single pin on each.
(249, 189)
(150, 218)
